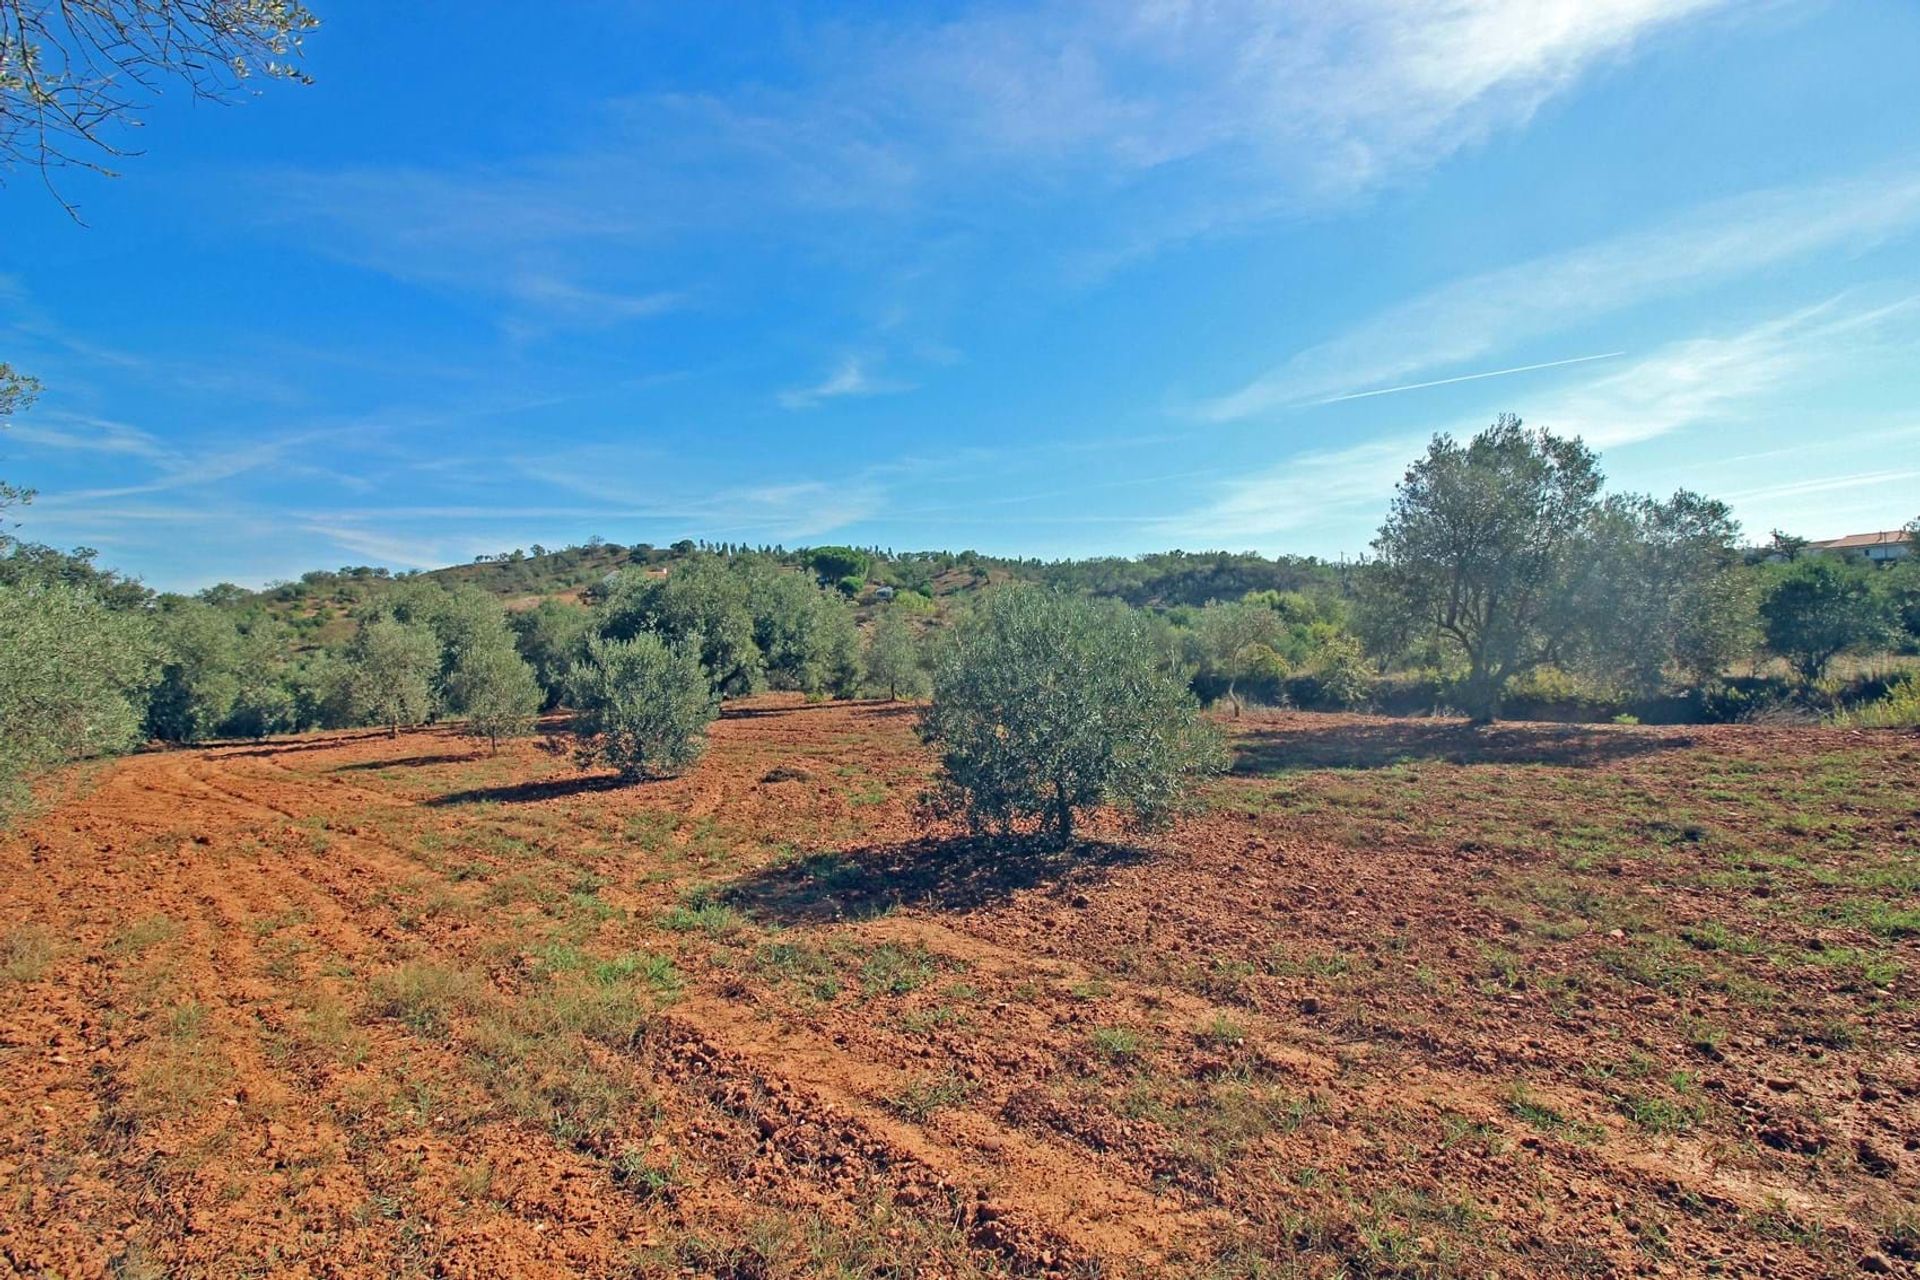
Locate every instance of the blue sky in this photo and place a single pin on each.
(1033, 279)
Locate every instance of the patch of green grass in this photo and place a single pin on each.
(1222, 979)
(1459, 1131)
(1221, 1032)
(919, 1099)
(652, 829)
(1865, 967)
(1704, 1037)
(702, 911)
(547, 1079)
(1116, 1044)
(831, 872)
(806, 967)
(1657, 962)
(590, 908)
(1095, 988)
(426, 996)
(25, 952)
(519, 887)
(1522, 1102)
(1889, 919)
(145, 933)
(1712, 935)
(266, 926)
(1317, 964)
(183, 1071)
(892, 970)
(327, 1027)
(532, 1053)
(920, 1022)
(1658, 1114)
(657, 973)
(646, 1177)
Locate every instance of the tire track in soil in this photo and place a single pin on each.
(1037, 1204)
(281, 1119)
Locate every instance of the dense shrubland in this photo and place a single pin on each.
(1505, 581)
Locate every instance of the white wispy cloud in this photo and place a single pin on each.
(555, 295)
(1483, 314)
(1702, 380)
(1826, 484)
(402, 550)
(851, 377)
(1310, 489)
(73, 432)
(1324, 95)
(205, 466)
(1154, 120)
(1683, 384)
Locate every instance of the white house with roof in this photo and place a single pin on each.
(1889, 544)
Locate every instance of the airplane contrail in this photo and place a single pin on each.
(1470, 377)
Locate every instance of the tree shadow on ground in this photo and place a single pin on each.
(408, 762)
(759, 713)
(1353, 744)
(943, 874)
(529, 792)
(267, 747)
(875, 706)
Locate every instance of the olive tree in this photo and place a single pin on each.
(701, 604)
(1818, 608)
(1901, 587)
(265, 701)
(461, 617)
(806, 636)
(393, 665)
(893, 658)
(199, 673)
(642, 705)
(1486, 545)
(1240, 640)
(74, 676)
(1663, 588)
(1045, 705)
(494, 689)
(552, 636)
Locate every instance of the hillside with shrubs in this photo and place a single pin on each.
(1553, 599)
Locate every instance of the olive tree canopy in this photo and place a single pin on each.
(642, 705)
(1818, 608)
(1486, 543)
(703, 604)
(394, 665)
(1047, 704)
(74, 675)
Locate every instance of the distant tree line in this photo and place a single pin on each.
(1504, 577)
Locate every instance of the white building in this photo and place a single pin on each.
(1890, 544)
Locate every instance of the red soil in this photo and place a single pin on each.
(1400, 998)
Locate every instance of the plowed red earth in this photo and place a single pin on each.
(1399, 998)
